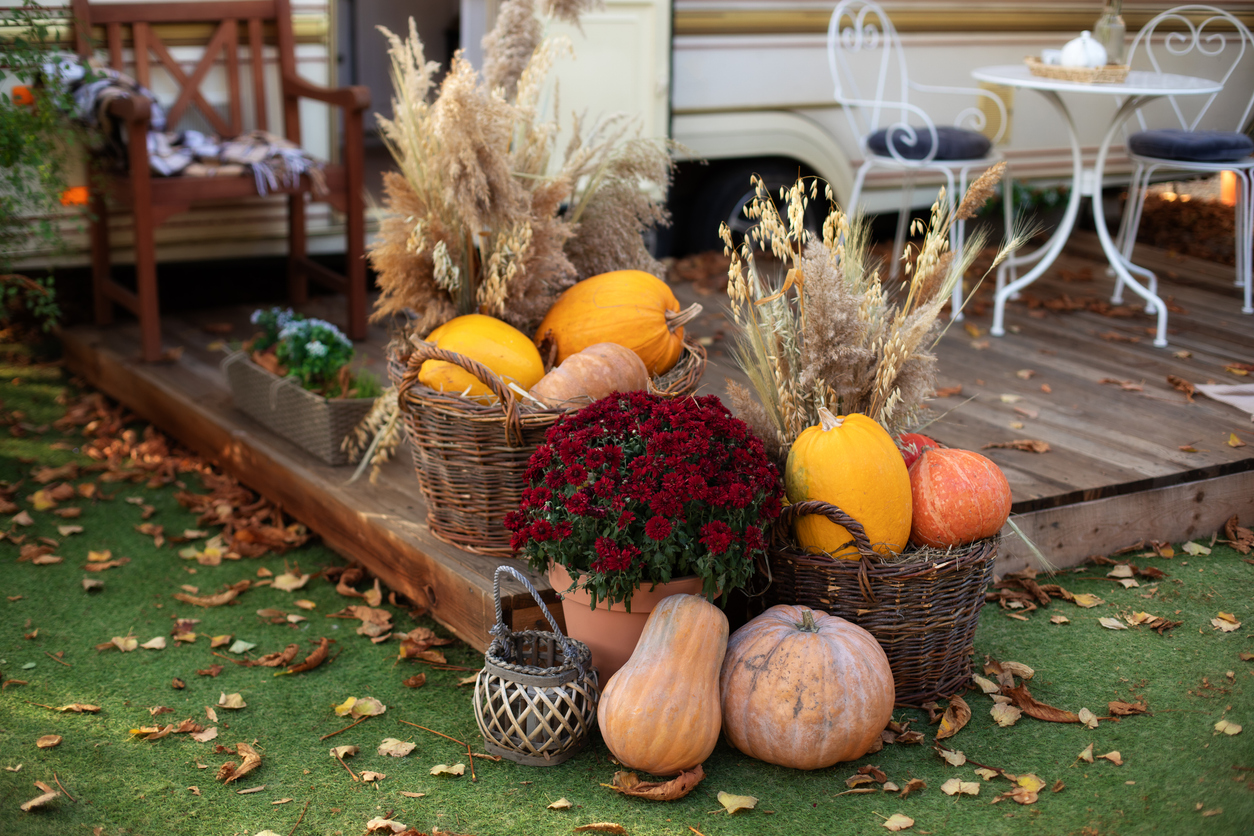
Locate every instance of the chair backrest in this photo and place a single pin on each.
(868, 66)
(211, 96)
(1201, 41)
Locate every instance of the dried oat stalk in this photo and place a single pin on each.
(818, 329)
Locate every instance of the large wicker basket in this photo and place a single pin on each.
(921, 606)
(536, 697)
(310, 421)
(470, 458)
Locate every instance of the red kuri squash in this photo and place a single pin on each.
(958, 497)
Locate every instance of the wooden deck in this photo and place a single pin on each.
(1115, 473)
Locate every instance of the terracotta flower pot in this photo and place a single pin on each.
(609, 630)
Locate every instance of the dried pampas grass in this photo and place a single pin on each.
(484, 215)
(828, 334)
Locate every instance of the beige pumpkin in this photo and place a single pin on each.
(660, 713)
(594, 373)
(804, 689)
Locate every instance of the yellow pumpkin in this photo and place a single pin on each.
(660, 713)
(850, 462)
(628, 307)
(496, 344)
(804, 689)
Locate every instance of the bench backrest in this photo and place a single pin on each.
(238, 41)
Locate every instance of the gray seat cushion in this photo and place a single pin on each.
(1192, 146)
(952, 143)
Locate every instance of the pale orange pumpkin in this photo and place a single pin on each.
(629, 307)
(850, 462)
(594, 373)
(804, 689)
(959, 497)
(660, 712)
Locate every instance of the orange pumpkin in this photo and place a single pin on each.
(850, 462)
(628, 307)
(804, 689)
(958, 497)
(660, 712)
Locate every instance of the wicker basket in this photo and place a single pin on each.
(1109, 74)
(470, 458)
(310, 421)
(922, 608)
(536, 697)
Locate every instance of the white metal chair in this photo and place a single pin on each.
(868, 67)
(1209, 42)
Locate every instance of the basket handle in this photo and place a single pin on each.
(501, 631)
(863, 544)
(423, 351)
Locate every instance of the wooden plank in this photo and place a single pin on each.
(368, 523)
(1069, 534)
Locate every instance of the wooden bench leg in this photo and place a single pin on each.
(355, 267)
(100, 270)
(146, 286)
(297, 277)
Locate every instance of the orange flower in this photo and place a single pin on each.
(74, 196)
(22, 95)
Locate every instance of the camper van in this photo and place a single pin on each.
(741, 86)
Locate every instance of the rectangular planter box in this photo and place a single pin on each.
(310, 421)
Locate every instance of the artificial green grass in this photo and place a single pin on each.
(1176, 766)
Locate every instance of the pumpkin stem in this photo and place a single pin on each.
(827, 420)
(678, 319)
(807, 624)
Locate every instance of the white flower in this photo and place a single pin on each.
(316, 348)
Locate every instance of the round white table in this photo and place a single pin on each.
(1138, 89)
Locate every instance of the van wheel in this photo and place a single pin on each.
(725, 194)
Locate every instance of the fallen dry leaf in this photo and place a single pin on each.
(735, 803)
(289, 582)
(1005, 715)
(1112, 624)
(372, 777)
(1059, 619)
(344, 751)
(1088, 718)
(234, 701)
(897, 822)
(953, 757)
(1113, 757)
(629, 783)
(313, 660)
(560, 804)
(50, 740)
(1087, 600)
(957, 713)
(602, 827)
(39, 801)
(395, 748)
(1225, 623)
(986, 773)
(1027, 445)
(955, 786)
(913, 785)
(229, 773)
(1227, 727)
(445, 769)
(224, 597)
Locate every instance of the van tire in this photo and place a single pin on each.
(727, 190)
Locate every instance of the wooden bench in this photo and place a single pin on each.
(241, 31)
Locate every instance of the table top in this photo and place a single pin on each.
(1138, 82)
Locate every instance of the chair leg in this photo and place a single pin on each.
(1245, 236)
(297, 278)
(1125, 242)
(100, 268)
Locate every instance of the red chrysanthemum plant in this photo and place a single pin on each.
(637, 489)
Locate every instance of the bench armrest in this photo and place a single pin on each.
(131, 108)
(355, 98)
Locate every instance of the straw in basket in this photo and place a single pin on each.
(922, 607)
(536, 697)
(470, 458)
